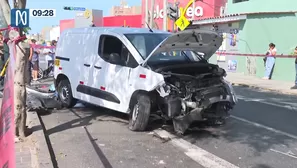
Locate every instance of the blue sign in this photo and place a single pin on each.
(19, 18)
(74, 8)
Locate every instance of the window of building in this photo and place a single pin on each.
(110, 44)
(237, 1)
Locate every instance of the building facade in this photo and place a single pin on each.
(248, 27)
(124, 9)
(55, 33)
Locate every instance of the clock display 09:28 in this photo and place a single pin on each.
(42, 12)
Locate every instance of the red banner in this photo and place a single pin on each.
(7, 127)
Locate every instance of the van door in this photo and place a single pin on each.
(86, 62)
(112, 80)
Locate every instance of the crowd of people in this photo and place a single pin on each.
(35, 52)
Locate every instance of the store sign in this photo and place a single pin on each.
(190, 12)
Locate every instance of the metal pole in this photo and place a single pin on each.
(173, 24)
(175, 28)
(165, 15)
(152, 13)
(193, 6)
(146, 13)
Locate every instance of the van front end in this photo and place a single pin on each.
(189, 97)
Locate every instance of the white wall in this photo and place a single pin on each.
(55, 33)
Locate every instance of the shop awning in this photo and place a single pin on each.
(232, 17)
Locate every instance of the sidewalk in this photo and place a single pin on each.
(254, 82)
(33, 152)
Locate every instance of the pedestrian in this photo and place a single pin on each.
(2, 62)
(34, 59)
(270, 61)
(48, 54)
(295, 54)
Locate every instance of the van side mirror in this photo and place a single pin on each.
(115, 58)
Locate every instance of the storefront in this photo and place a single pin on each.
(202, 9)
(251, 32)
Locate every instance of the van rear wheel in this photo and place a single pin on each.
(65, 94)
(140, 113)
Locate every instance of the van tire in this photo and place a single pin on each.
(65, 94)
(140, 113)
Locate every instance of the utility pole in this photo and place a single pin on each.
(193, 6)
(146, 14)
(176, 7)
(165, 2)
(152, 14)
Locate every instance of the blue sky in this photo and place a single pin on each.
(37, 24)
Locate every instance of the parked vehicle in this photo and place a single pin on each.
(140, 72)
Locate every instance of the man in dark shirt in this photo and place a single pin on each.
(295, 54)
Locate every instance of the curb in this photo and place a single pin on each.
(263, 88)
(41, 150)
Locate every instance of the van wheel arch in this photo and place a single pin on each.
(133, 98)
(62, 85)
(139, 110)
(60, 77)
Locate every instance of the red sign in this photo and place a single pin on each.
(202, 9)
(118, 21)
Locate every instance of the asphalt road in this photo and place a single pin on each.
(95, 138)
(261, 133)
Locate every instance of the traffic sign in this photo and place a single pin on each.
(182, 23)
(87, 13)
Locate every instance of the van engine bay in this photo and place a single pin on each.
(194, 93)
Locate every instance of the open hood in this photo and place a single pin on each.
(203, 41)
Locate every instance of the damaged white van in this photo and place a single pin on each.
(141, 72)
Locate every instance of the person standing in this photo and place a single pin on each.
(295, 54)
(34, 59)
(270, 61)
(2, 61)
(52, 54)
(48, 54)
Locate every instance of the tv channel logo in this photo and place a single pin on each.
(20, 18)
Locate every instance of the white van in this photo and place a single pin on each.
(140, 72)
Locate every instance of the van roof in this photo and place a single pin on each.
(118, 30)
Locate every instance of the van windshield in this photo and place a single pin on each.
(145, 43)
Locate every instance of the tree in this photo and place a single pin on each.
(20, 94)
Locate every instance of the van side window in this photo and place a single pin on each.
(110, 44)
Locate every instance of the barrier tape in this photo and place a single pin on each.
(255, 55)
(18, 39)
(7, 127)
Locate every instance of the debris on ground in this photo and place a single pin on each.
(41, 98)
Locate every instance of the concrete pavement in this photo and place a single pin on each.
(270, 85)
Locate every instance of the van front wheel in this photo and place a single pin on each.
(140, 113)
(65, 94)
